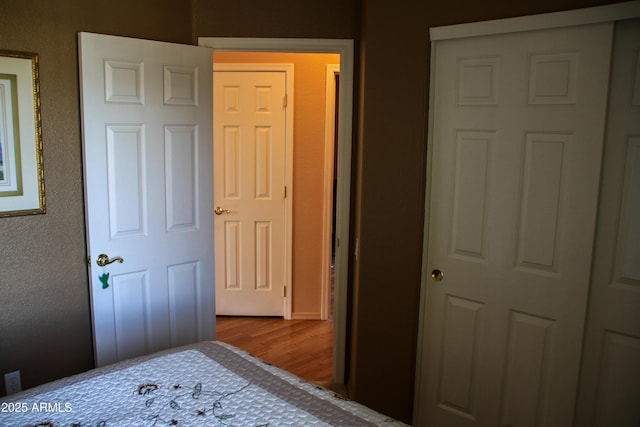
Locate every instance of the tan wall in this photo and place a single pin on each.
(308, 169)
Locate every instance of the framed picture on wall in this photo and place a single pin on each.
(21, 171)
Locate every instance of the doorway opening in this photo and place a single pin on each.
(343, 144)
(246, 99)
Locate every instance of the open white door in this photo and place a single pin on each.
(250, 151)
(146, 114)
(517, 140)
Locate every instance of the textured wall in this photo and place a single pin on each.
(282, 18)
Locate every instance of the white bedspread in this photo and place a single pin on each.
(209, 384)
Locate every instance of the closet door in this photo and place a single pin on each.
(517, 137)
(610, 381)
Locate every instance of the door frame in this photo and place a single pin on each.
(333, 70)
(287, 69)
(345, 48)
(592, 15)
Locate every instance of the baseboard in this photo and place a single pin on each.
(310, 315)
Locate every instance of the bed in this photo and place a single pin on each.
(204, 384)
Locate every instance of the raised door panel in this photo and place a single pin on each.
(543, 194)
(263, 172)
(233, 261)
(124, 82)
(126, 180)
(553, 78)
(130, 314)
(232, 153)
(184, 292)
(527, 369)
(627, 265)
(458, 389)
(181, 85)
(264, 257)
(181, 172)
(619, 381)
(472, 165)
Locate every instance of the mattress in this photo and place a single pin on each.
(205, 384)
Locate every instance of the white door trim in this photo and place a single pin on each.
(344, 47)
(591, 15)
(287, 69)
(327, 199)
(600, 14)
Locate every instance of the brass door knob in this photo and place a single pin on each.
(437, 275)
(103, 259)
(219, 211)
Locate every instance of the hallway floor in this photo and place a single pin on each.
(302, 347)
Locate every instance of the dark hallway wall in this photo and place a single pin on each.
(284, 18)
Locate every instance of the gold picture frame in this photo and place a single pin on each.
(21, 164)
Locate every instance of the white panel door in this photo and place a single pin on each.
(249, 155)
(610, 381)
(517, 139)
(146, 116)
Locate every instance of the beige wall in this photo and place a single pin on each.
(308, 169)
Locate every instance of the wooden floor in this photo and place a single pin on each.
(302, 347)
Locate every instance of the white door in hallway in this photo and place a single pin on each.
(146, 117)
(249, 190)
(517, 139)
(610, 380)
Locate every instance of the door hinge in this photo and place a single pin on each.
(284, 292)
(284, 101)
(285, 191)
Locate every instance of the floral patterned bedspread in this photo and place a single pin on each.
(206, 384)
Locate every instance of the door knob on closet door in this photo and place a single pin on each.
(219, 211)
(437, 275)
